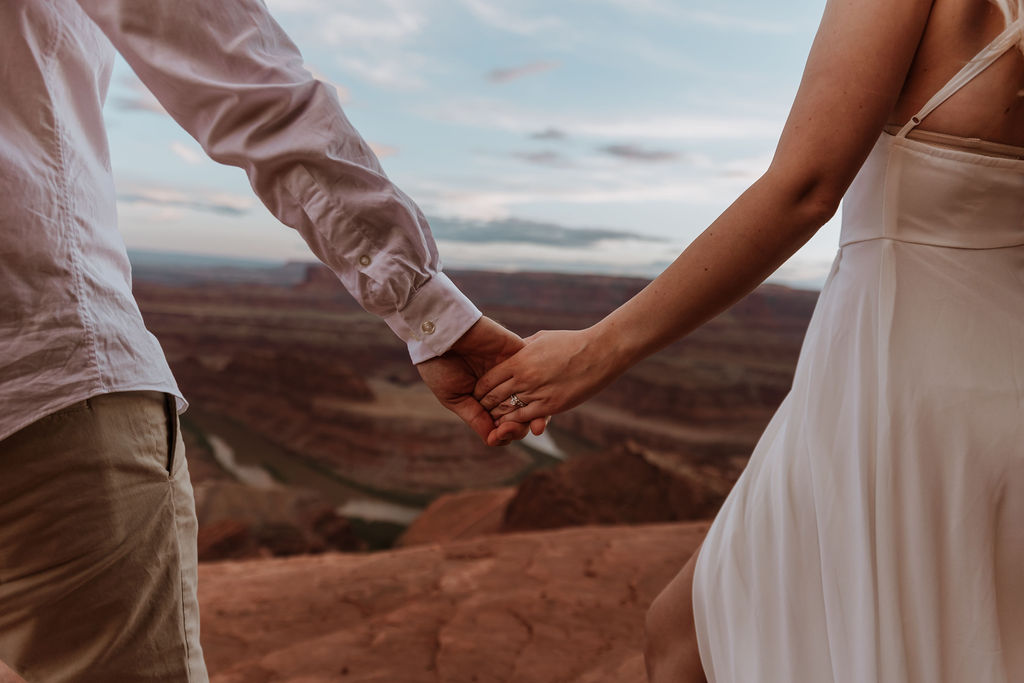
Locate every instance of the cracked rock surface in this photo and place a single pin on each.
(546, 607)
(553, 607)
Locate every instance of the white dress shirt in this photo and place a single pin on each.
(228, 74)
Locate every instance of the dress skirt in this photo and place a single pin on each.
(877, 533)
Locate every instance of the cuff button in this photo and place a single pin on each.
(364, 260)
(428, 327)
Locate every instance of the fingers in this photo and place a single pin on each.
(473, 414)
(489, 385)
(505, 434)
(481, 422)
(505, 406)
(500, 394)
(501, 409)
(539, 425)
(514, 431)
(529, 413)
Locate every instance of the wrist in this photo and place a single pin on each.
(468, 338)
(487, 338)
(616, 348)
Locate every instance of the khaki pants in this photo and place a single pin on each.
(98, 546)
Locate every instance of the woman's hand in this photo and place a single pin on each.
(453, 377)
(554, 372)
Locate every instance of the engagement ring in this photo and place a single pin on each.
(516, 401)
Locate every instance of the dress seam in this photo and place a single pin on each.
(919, 243)
(885, 289)
(836, 264)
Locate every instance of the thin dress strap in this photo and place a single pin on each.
(1012, 35)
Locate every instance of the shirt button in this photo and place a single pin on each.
(428, 327)
(364, 260)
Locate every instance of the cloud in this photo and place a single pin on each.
(383, 151)
(702, 17)
(499, 203)
(549, 133)
(187, 154)
(395, 72)
(515, 230)
(347, 23)
(622, 260)
(748, 169)
(546, 157)
(680, 128)
(492, 114)
(517, 72)
(496, 16)
(138, 98)
(220, 203)
(372, 41)
(598, 182)
(734, 23)
(804, 271)
(635, 153)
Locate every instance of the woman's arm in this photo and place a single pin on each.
(853, 77)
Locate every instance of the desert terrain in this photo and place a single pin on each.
(294, 388)
(353, 530)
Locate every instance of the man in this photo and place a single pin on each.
(97, 523)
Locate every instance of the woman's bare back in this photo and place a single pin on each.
(991, 106)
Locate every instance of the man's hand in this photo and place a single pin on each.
(453, 377)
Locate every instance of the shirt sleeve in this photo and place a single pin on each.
(231, 77)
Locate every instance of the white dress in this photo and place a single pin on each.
(877, 534)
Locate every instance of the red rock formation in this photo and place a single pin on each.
(564, 606)
(296, 368)
(458, 516)
(294, 375)
(302, 367)
(553, 607)
(627, 485)
(727, 376)
(238, 521)
(227, 539)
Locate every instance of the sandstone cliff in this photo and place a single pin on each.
(564, 606)
(625, 485)
(305, 368)
(291, 377)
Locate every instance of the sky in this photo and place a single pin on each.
(560, 135)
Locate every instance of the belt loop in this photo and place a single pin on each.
(171, 409)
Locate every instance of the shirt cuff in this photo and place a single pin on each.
(438, 315)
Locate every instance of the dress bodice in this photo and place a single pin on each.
(913, 191)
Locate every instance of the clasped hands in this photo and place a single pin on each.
(549, 372)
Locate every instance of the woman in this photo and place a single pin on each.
(876, 534)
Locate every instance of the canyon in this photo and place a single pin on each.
(351, 529)
(286, 374)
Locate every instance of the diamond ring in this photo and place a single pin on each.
(516, 401)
